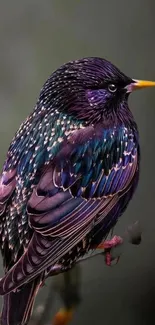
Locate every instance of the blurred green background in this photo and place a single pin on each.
(38, 36)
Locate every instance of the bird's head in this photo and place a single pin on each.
(90, 89)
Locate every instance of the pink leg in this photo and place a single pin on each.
(115, 241)
(109, 259)
(107, 246)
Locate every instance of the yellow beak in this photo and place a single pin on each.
(138, 84)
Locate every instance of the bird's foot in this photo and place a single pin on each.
(108, 245)
(63, 317)
(110, 260)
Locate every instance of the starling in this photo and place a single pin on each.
(69, 174)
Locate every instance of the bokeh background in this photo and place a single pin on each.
(35, 38)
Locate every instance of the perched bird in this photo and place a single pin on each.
(69, 174)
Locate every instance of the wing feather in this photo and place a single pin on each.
(76, 191)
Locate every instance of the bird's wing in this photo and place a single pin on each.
(7, 186)
(83, 180)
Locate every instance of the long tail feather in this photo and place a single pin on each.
(18, 306)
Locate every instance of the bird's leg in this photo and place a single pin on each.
(108, 245)
(132, 235)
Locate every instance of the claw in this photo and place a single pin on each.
(63, 317)
(109, 260)
(107, 246)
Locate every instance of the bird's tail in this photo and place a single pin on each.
(18, 306)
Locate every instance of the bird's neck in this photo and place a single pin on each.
(126, 117)
(120, 117)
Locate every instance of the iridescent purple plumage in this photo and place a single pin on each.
(70, 172)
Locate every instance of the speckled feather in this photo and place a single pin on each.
(70, 172)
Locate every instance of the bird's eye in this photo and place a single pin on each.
(112, 88)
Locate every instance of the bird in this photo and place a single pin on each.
(69, 174)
